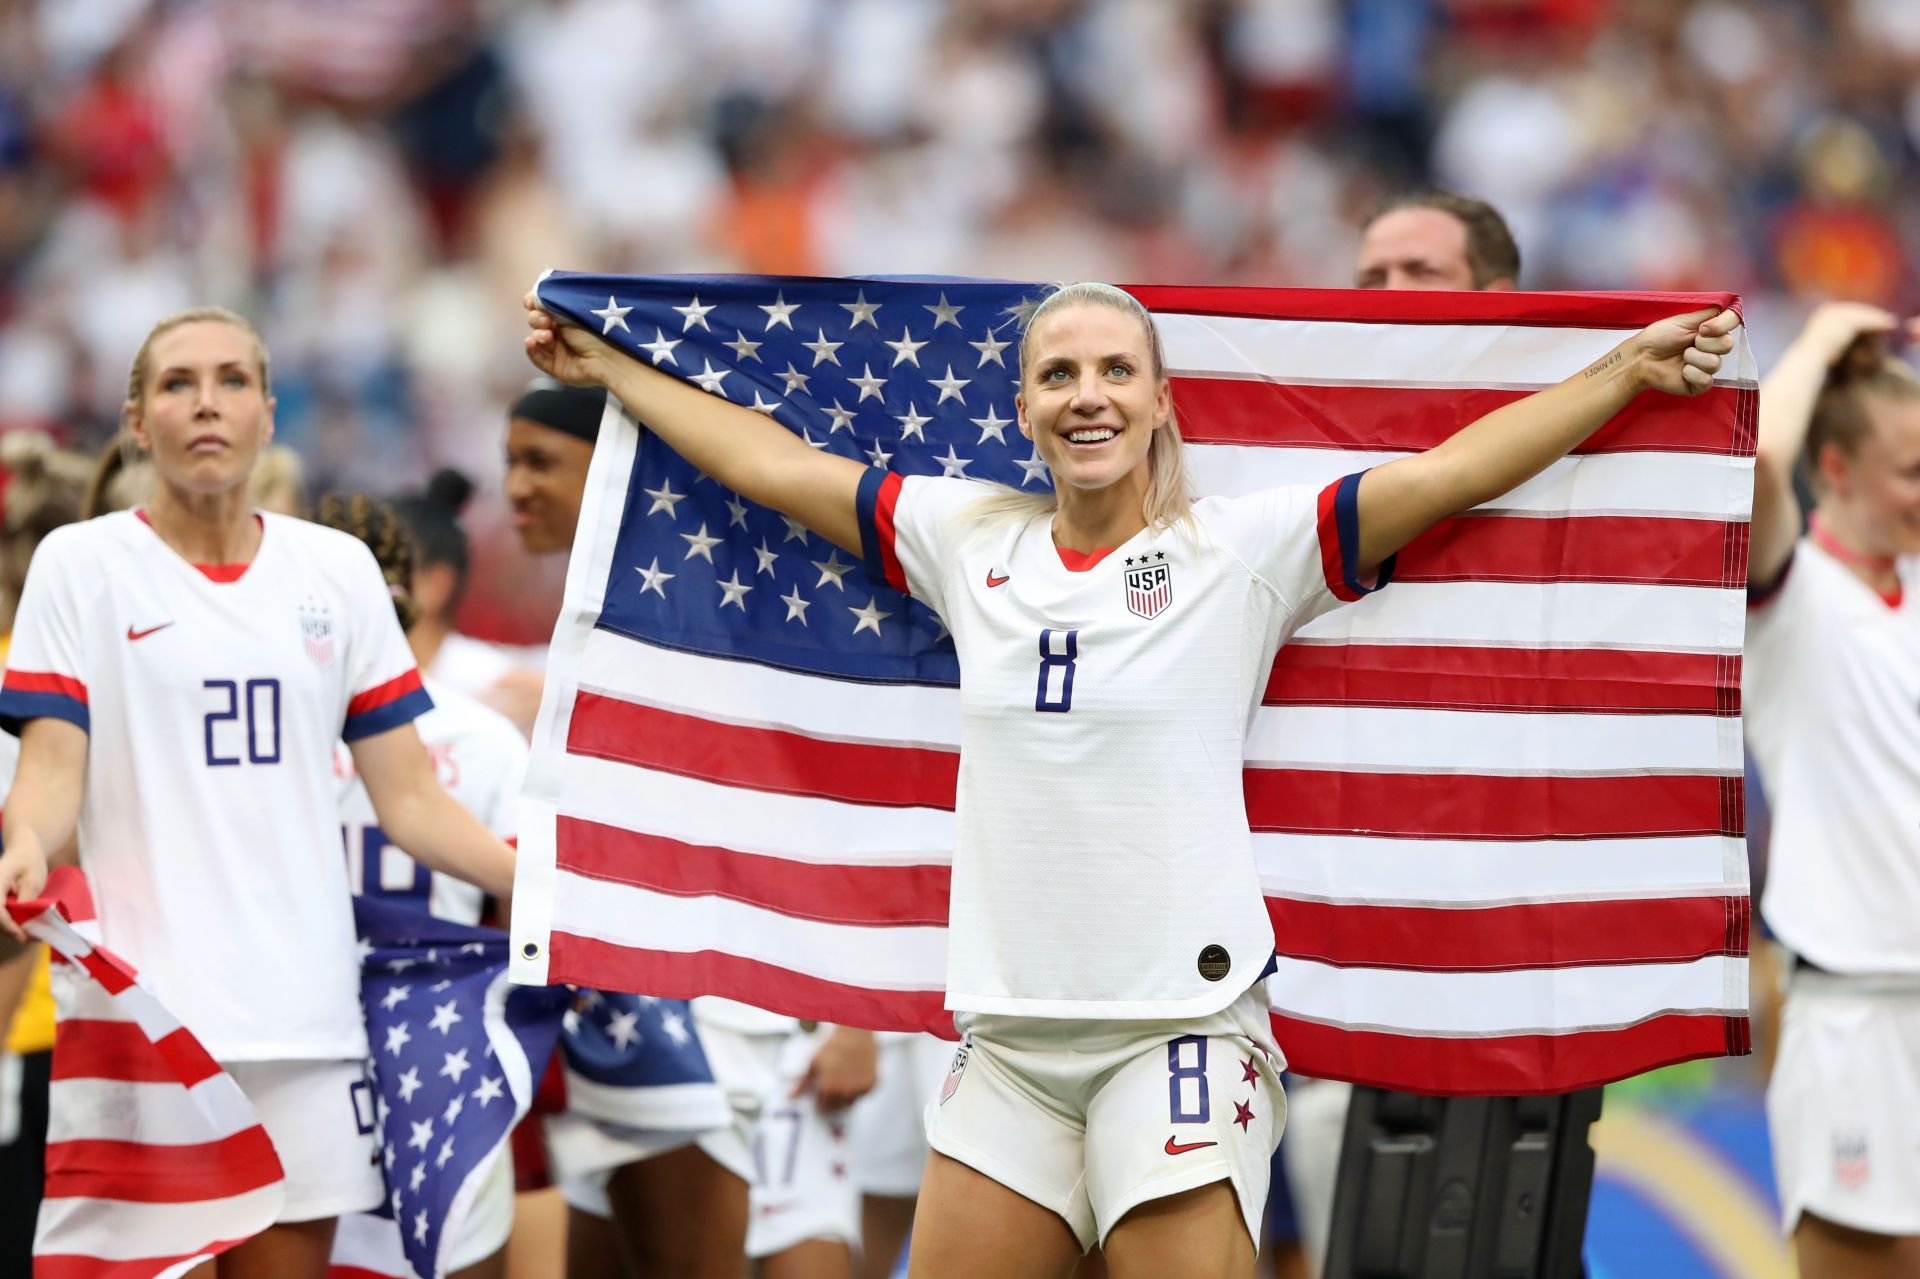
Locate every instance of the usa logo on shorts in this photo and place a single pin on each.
(956, 1070)
(316, 627)
(1850, 1164)
(1149, 585)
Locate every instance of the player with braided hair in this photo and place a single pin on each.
(180, 674)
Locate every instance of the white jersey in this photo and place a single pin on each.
(1102, 865)
(1831, 696)
(212, 699)
(480, 758)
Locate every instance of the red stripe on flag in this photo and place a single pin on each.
(1505, 938)
(134, 1172)
(1584, 548)
(1243, 411)
(85, 1048)
(1474, 806)
(838, 894)
(1447, 677)
(46, 682)
(1420, 306)
(763, 759)
(381, 694)
(73, 1266)
(682, 975)
(1507, 1064)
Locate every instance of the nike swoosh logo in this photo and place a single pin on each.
(140, 635)
(1175, 1148)
(993, 581)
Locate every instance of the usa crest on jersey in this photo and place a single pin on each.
(1149, 585)
(316, 627)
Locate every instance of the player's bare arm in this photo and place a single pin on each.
(42, 808)
(1400, 500)
(1787, 398)
(843, 1070)
(417, 813)
(748, 452)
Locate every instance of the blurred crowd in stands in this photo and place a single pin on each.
(378, 181)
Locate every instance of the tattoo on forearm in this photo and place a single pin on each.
(1606, 364)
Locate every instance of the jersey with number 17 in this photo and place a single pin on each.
(1102, 866)
(212, 697)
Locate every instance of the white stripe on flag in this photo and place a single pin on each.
(113, 1230)
(1567, 615)
(150, 1114)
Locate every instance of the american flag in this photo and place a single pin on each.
(1497, 807)
(155, 1160)
(457, 1054)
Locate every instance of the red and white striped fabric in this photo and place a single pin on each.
(155, 1160)
(1497, 808)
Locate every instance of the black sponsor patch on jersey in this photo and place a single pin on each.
(1214, 962)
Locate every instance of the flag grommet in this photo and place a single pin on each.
(530, 950)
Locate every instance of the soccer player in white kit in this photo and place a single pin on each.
(1831, 690)
(480, 757)
(182, 673)
(1117, 1079)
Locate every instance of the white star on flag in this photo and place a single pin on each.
(661, 348)
(395, 997)
(952, 465)
(409, 1083)
(624, 1028)
(654, 578)
(694, 314)
(796, 531)
(446, 1153)
(832, 570)
(734, 592)
(766, 557)
(912, 423)
(422, 1134)
(454, 1107)
(701, 543)
(612, 315)
(744, 347)
(490, 1090)
(761, 406)
(664, 498)
(794, 379)
(736, 512)
(869, 385)
(906, 350)
(418, 1175)
(797, 605)
(445, 1016)
(1034, 468)
(672, 1022)
(823, 350)
(990, 350)
(950, 387)
(455, 1064)
(842, 418)
(862, 310)
(879, 456)
(397, 1038)
(710, 378)
(870, 617)
(944, 314)
(781, 312)
(420, 1227)
(992, 425)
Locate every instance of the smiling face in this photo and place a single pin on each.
(202, 412)
(1090, 396)
(546, 478)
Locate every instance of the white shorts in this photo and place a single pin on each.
(888, 1126)
(319, 1116)
(794, 1161)
(1844, 1105)
(371, 1244)
(1092, 1118)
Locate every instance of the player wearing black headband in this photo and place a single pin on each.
(550, 434)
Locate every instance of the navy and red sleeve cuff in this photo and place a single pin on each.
(878, 495)
(1339, 525)
(400, 700)
(29, 695)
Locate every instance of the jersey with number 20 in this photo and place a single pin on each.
(1103, 866)
(212, 699)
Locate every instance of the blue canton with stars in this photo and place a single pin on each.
(913, 376)
(442, 1103)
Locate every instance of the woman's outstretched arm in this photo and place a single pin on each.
(745, 450)
(1402, 499)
